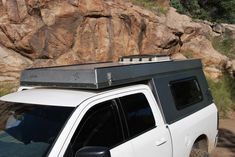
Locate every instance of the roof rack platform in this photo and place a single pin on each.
(101, 75)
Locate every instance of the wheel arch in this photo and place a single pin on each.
(201, 142)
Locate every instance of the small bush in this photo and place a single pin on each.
(191, 8)
(225, 45)
(211, 10)
(223, 92)
(151, 5)
(177, 4)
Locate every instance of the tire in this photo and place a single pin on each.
(199, 153)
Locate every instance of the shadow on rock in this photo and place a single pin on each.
(226, 140)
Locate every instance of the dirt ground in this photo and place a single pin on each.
(226, 143)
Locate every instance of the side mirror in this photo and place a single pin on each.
(93, 152)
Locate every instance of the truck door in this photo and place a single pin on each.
(148, 136)
(101, 126)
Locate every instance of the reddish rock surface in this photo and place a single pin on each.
(57, 32)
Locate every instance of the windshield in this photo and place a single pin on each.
(28, 130)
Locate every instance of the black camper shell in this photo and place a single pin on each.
(165, 78)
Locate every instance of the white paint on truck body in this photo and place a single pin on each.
(185, 131)
(175, 140)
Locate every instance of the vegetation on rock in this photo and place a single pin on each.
(225, 44)
(152, 5)
(212, 10)
(223, 92)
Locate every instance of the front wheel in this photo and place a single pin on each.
(199, 153)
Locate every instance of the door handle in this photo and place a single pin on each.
(161, 141)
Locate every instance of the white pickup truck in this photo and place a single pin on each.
(123, 109)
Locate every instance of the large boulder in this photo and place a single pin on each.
(36, 33)
(214, 62)
(11, 64)
(229, 29)
(195, 41)
(201, 47)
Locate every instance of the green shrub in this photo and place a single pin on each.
(211, 10)
(191, 8)
(225, 45)
(151, 5)
(223, 92)
(176, 4)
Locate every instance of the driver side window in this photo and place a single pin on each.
(100, 126)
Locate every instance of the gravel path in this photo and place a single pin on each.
(226, 144)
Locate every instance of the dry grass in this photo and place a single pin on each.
(7, 87)
(224, 94)
(225, 45)
(150, 5)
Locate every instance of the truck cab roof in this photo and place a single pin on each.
(50, 96)
(63, 97)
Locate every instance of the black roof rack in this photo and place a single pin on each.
(101, 75)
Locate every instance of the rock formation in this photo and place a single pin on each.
(35, 33)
